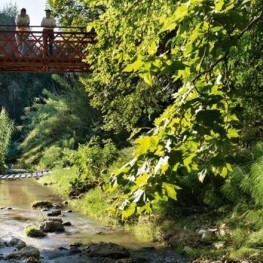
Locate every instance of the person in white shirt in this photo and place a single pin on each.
(48, 23)
(22, 27)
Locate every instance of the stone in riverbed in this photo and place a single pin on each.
(3, 243)
(53, 219)
(52, 226)
(107, 250)
(25, 252)
(33, 231)
(42, 204)
(17, 243)
(54, 213)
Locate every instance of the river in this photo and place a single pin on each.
(16, 212)
(20, 194)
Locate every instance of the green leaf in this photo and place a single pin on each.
(224, 172)
(143, 145)
(146, 208)
(173, 66)
(141, 180)
(135, 66)
(147, 77)
(152, 49)
(232, 133)
(129, 211)
(170, 190)
(219, 4)
(162, 165)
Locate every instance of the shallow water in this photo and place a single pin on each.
(20, 194)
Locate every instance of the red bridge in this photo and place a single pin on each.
(69, 50)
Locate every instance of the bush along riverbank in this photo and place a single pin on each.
(227, 227)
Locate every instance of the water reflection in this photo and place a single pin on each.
(20, 194)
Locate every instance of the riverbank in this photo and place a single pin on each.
(210, 236)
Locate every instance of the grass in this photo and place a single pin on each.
(96, 204)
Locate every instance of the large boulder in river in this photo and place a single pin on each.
(52, 226)
(107, 250)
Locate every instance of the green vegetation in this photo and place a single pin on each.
(234, 213)
(6, 129)
(165, 134)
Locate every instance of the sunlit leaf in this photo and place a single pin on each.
(129, 211)
(147, 77)
(170, 190)
(218, 5)
(152, 48)
(232, 133)
(141, 180)
(136, 65)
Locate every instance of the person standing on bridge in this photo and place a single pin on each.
(22, 27)
(48, 23)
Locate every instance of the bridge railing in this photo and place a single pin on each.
(69, 48)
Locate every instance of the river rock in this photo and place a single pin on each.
(107, 250)
(54, 213)
(17, 243)
(52, 226)
(34, 231)
(42, 204)
(57, 206)
(3, 243)
(53, 219)
(25, 252)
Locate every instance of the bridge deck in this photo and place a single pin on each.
(69, 51)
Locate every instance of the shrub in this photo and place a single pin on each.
(56, 156)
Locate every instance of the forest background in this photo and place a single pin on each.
(167, 124)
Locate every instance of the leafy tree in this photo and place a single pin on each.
(6, 128)
(192, 42)
(7, 16)
(63, 120)
(18, 91)
(247, 72)
(74, 13)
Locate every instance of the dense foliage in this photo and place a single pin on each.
(184, 77)
(6, 129)
(62, 119)
(195, 44)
